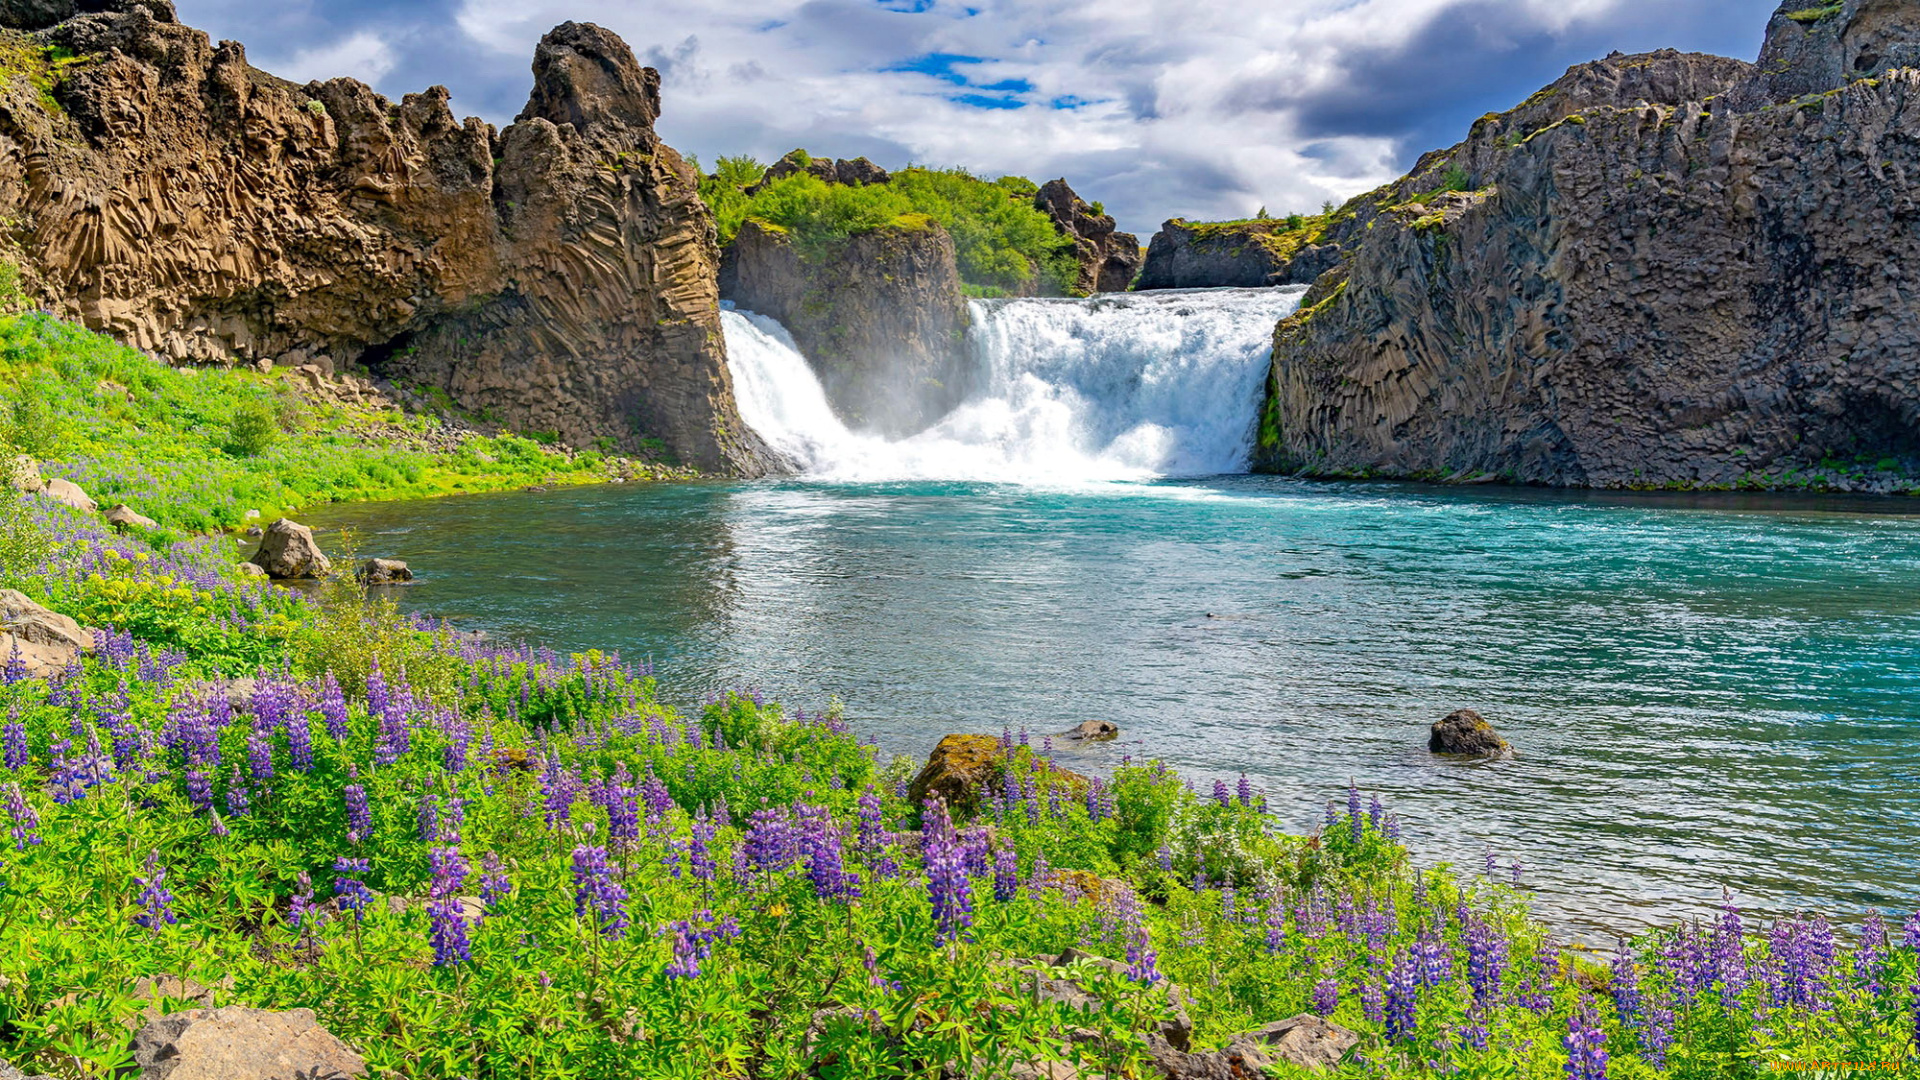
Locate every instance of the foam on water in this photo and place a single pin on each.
(1119, 387)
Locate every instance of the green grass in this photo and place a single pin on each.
(1816, 14)
(1000, 240)
(195, 449)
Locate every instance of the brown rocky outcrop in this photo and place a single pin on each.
(830, 170)
(961, 766)
(558, 275)
(1108, 259)
(41, 641)
(1639, 277)
(880, 316)
(1304, 1040)
(1244, 254)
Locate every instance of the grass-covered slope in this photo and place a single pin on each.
(195, 449)
(1003, 244)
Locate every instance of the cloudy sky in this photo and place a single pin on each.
(1159, 108)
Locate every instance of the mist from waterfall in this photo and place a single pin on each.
(1119, 387)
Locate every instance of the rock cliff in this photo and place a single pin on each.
(856, 172)
(881, 316)
(558, 275)
(1662, 270)
(1245, 254)
(1108, 259)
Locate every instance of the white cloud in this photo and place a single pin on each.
(1202, 108)
(362, 55)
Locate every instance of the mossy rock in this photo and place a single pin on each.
(964, 767)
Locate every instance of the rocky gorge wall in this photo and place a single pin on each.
(1662, 270)
(881, 317)
(558, 275)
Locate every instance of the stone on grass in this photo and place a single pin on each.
(1467, 733)
(237, 1043)
(289, 552)
(1306, 1041)
(69, 493)
(250, 570)
(25, 476)
(22, 618)
(126, 517)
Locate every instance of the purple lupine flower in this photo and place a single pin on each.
(1869, 960)
(1486, 962)
(772, 843)
(301, 909)
(1626, 985)
(446, 917)
(596, 896)
(1037, 880)
(459, 733)
(156, 903)
(947, 884)
(1514, 868)
(1353, 812)
(260, 752)
(559, 787)
(1376, 813)
(693, 940)
(699, 858)
(621, 801)
(1656, 1032)
(1166, 859)
(1799, 953)
(353, 895)
(1326, 997)
(495, 885)
(1006, 875)
(1403, 995)
(359, 814)
(1432, 960)
(1493, 862)
(1728, 959)
(1276, 928)
(238, 802)
(659, 801)
(1333, 815)
(1393, 828)
(299, 742)
(25, 820)
(1912, 929)
(333, 708)
(13, 745)
(820, 840)
(1245, 790)
(876, 977)
(395, 737)
(1220, 793)
(686, 956)
(1914, 993)
(1586, 1045)
(199, 783)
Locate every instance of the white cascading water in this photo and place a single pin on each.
(1119, 387)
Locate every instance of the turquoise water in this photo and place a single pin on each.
(1704, 692)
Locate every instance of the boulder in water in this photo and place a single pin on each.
(383, 572)
(1093, 731)
(1466, 733)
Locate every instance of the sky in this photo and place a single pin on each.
(1158, 108)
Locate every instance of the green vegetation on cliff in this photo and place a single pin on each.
(1003, 244)
(195, 449)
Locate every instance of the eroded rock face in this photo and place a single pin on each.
(881, 317)
(1108, 259)
(1638, 282)
(558, 275)
(237, 1043)
(1243, 254)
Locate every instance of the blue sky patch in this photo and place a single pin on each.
(987, 101)
(939, 65)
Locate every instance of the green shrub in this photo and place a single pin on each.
(253, 429)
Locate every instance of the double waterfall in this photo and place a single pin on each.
(1119, 387)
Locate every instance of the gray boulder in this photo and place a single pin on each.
(1467, 733)
(8, 1072)
(237, 1043)
(289, 552)
(251, 570)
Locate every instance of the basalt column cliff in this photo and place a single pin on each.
(558, 275)
(1662, 270)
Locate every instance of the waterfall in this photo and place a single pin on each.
(1119, 387)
